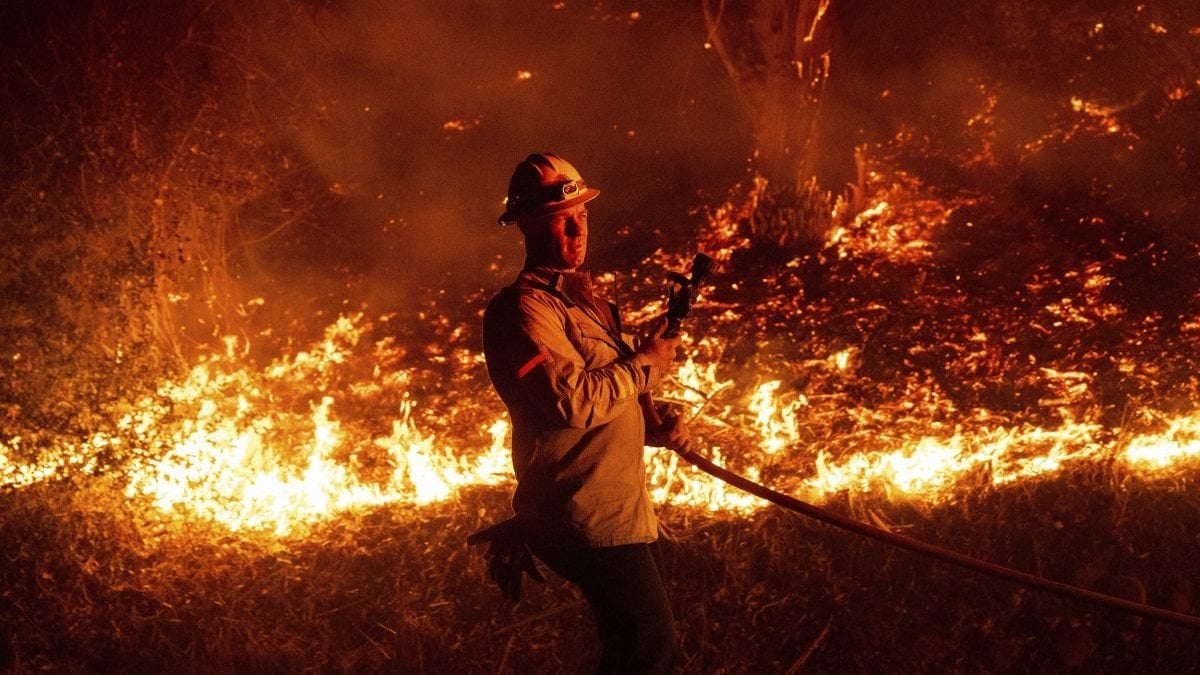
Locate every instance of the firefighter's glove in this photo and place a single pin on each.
(508, 556)
(672, 434)
(659, 350)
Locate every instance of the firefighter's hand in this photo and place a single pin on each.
(508, 557)
(507, 564)
(659, 350)
(672, 434)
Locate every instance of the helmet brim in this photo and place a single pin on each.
(546, 209)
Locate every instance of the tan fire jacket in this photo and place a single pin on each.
(570, 380)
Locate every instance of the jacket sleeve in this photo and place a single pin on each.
(554, 379)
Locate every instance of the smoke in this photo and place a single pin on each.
(383, 133)
(413, 115)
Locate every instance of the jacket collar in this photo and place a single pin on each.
(575, 290)
(565, 285)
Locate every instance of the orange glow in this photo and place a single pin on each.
(338, 426)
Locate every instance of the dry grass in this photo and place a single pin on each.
(93, 583)
(89, 588)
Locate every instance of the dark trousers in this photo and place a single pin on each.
(629, 603)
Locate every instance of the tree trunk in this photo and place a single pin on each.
(777, 53)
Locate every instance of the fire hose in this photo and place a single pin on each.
(936, 552)
(683, 291)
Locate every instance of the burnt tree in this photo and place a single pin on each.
(777, 53)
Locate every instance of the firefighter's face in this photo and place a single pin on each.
(557, 239)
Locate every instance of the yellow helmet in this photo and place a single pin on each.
(544, 183)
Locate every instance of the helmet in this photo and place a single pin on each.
(544, 183)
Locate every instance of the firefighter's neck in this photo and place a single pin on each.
(532, 263)
(546, 257)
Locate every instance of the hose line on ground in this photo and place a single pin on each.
(937, 552)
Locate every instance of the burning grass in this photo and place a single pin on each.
(309, 513)
(1009, 372)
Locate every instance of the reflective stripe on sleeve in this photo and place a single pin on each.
(531, 364)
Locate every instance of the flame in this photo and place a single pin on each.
(242, 462)
(337, 427)
(775, 422)
(239, 461)
(928, 466)
(676, 483)
(1178, 443)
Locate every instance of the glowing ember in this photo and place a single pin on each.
(460, 125)
(20, 474)
(1105, 115)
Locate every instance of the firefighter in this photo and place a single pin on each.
(571, 380)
